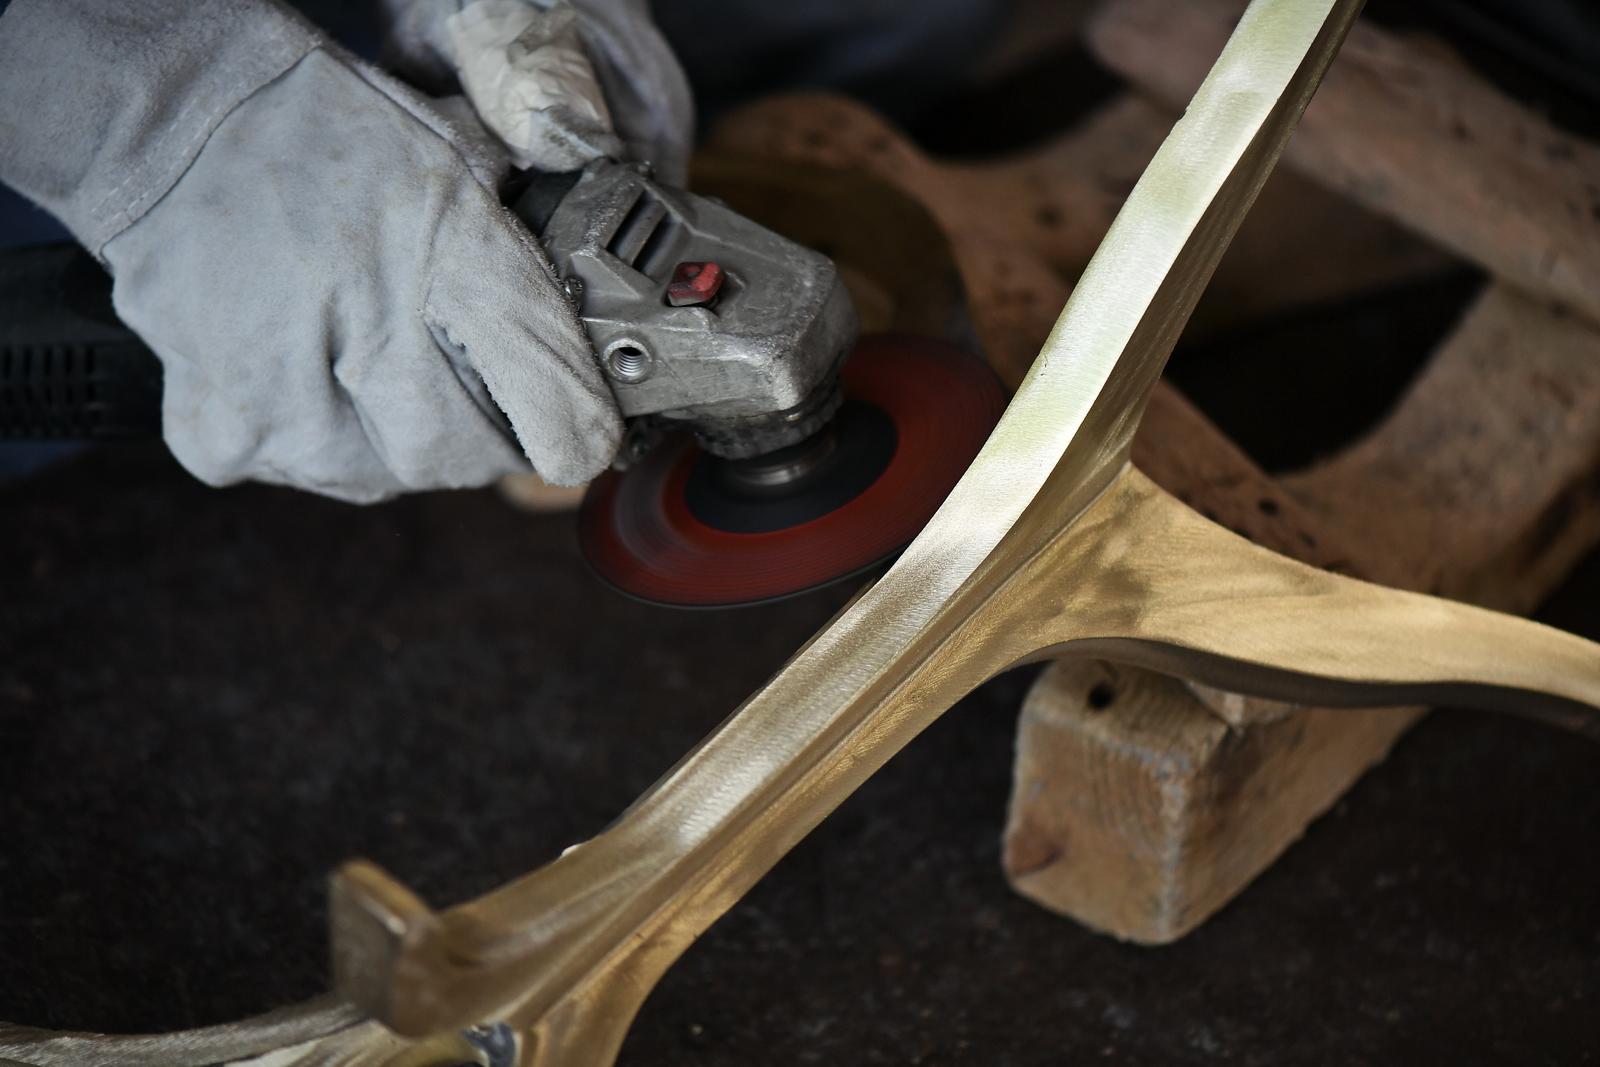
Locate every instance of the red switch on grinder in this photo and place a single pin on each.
(694, 284)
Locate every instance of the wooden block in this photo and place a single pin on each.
(1138, 811)
(529, 492)
(1141, 805)
(1406, 129)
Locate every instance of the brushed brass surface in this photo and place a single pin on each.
(321, 1032)
(1050, 543)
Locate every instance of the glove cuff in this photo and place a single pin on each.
(105, 106)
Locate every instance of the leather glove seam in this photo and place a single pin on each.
(279, 56)
(415, 105)
(492, 411)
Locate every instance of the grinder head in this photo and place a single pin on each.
(692, 529)
(700, 317)
(758, 463)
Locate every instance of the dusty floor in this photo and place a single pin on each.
(210, 698)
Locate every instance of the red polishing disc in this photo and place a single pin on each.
(916, 412)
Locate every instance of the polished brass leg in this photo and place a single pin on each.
(1051, 543)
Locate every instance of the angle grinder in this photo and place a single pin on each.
(769, 450)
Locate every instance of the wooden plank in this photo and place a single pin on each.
(1406, 129)
(1481, 486)
(1144, 821)
(1022, 228)
(1141, 805)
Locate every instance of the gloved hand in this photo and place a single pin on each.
(558, 82)
(316, 252)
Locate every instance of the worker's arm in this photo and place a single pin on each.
(316, 251)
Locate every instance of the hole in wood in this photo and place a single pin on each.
(1102, 696)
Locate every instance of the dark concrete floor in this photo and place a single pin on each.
(210, 698)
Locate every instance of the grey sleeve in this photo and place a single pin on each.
(103, 106)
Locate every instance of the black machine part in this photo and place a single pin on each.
(69, 368)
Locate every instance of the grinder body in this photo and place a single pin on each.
(750, 362)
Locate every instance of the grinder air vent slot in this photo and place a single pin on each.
(644, 234)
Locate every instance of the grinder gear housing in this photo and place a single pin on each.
(748, 359)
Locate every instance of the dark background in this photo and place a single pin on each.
(210, 698)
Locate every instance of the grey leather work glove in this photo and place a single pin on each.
(558, 81)
(316, 251)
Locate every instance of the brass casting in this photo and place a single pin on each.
(1051, 544)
